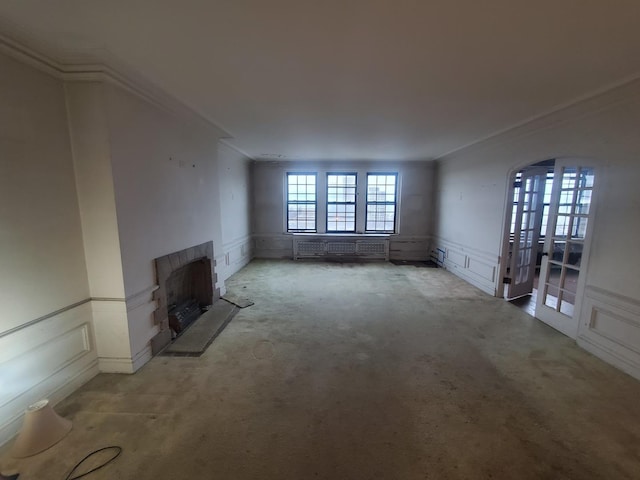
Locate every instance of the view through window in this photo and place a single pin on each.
(340, 195)
(301, 202)
(341, 202)
(381, 202)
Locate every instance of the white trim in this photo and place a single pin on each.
(511, 132)
(42, 318)
(487, 256)
(614, 342)
(27, 55)
(106, 68)
(225, 141)
(141, 358)
(461, 260)
(141, 298)
(338, 246)
(115, 365)
(621, 301)
(59, 355)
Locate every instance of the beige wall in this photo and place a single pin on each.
(41, 250)
(46, 338)
(94, 181)
(602, 131)
(235, 209)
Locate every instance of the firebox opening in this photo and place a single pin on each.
(186, 285)
(188, 294)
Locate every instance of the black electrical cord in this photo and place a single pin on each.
(73, 470)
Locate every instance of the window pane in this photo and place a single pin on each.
(341, 199)
(583, 202)
(586, 177)
(568, 178)
(341, 217)
(381, 202)
(380, 218)
(301, 202)
(545, 220)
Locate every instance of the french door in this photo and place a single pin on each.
(566, 245)
(527, 220)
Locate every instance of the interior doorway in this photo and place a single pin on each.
(546, 238)
(527, 220)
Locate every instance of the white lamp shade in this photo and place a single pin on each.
(42, 428)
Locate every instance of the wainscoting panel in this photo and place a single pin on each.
(455, 257)
(273, 246)
(49, 359)
(610, 328)
(409, 248)
(482, 269)
(112, 334)
(476, 267)
(237, 254)
(142, 326)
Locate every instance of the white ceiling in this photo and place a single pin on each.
(352, 79)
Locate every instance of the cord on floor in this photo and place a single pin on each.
(118, 451)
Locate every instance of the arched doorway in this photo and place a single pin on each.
(547, 240)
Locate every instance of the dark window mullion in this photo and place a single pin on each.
(301, 181)
(341, 190)
(377, 208)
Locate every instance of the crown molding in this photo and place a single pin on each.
(227, 143)
(27, 55)
(101, 66)
(593, 102)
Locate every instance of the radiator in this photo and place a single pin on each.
(374, 248)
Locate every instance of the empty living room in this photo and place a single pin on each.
(331, 240)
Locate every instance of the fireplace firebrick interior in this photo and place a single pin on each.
(182, 276)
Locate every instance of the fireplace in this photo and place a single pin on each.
(186, 281)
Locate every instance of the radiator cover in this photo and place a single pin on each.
(310, 247)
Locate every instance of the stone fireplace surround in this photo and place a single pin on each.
(170, 273)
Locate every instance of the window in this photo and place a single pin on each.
(301, 202)
(341, 202)
(381, 202)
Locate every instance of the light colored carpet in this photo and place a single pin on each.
(363, 372)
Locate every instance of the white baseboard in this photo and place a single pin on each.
(116, 365)
(141, 358)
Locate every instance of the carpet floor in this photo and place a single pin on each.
(360, 371)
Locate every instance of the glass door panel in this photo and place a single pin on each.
(526, 222)
(570, 210)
